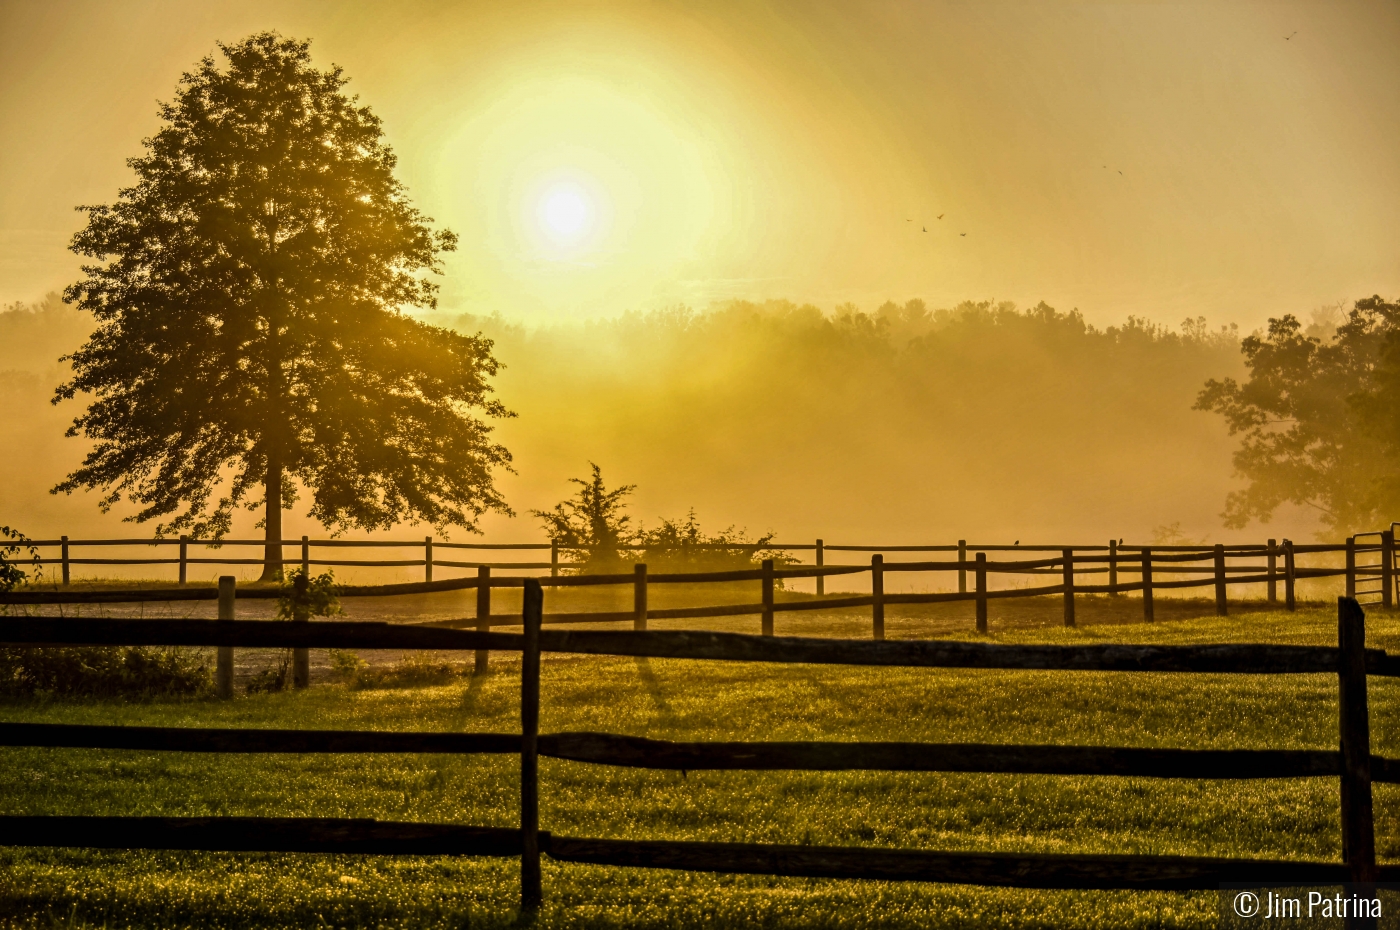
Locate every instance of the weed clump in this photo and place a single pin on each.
(416, 670)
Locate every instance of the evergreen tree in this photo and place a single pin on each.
(251, 336)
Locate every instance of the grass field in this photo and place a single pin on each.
(691, 700)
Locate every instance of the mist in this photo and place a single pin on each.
(899, 424)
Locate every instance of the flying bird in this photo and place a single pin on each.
(1290, 35)
(925, 229)
(962, 234)
(940, 216)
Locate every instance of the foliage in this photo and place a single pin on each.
(302, 597)
(346, 663)
(591, 525)
(274, 678)
(250, 336)
(11, 574)
(90, 671)
(1317, 419)
(685, 547)
(102, 672)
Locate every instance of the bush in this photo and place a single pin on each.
(103, 671)
(91, 671)
(592, 528)
(300, 597)
(684, 547)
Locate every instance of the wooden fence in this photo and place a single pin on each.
(1353, 764)
(1369, 570)
(1375, 572)
(1369, 580)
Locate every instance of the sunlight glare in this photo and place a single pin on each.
(566, 212)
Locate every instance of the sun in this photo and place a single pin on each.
(566, 212)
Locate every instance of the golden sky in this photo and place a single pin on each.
(1124, 158)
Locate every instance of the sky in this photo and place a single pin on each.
(1230, 160)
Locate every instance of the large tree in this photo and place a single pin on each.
(1318, 419)
(252, 338)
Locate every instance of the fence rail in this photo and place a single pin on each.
(1353, 764)
(1152, 570)
(1370, 562)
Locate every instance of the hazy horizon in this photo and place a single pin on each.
(789, 151)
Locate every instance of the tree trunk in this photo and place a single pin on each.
(272, 546)
(272, 429)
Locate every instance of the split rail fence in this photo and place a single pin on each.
(1369, 570)
(1375, 572)
(1353, 764)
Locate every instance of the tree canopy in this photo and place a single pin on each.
(1319, 420)
(251, 336)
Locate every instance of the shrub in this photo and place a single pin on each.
(300, 597)
(684, 547)
(102, 671)
(592, 527)
(90, 671)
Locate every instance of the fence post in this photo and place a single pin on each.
(64, 543)
(306, 556)
(877, 595)
(1387, 569)
(1147, 609)
(1113, 567)
(301, 656)
(767, 597)
(962, 566)
(483, 615)
(1351, 566)
(1288, 577)
(639, 596)
(223, 669)
(1068, 556)
(1358, 827)
(554, 558)
(821, 560)
(981, 579)
(1220, 605)
(531, 892)
(427, 558)
(1273, 571)
(184, 557)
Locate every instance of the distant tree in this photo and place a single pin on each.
(591, 523)
(251, 333)
(1319, 420)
